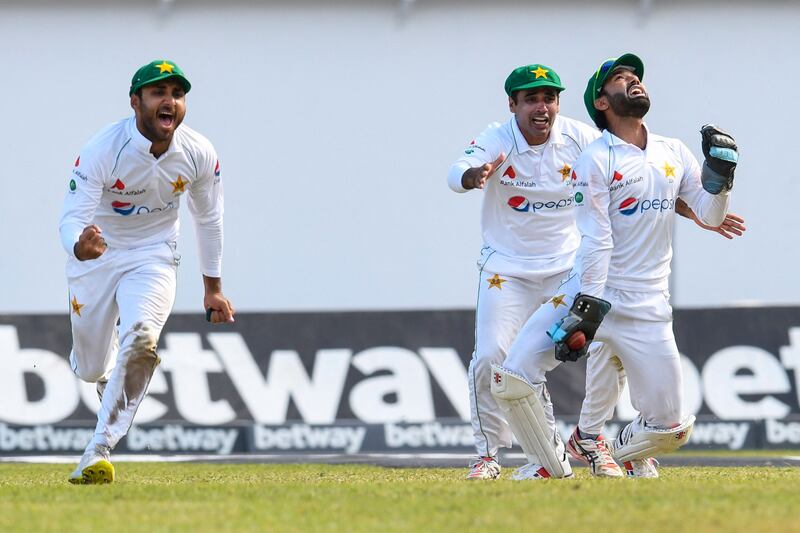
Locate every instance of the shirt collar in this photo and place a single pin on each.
(523, 146)
(613, 140)
(143, 143)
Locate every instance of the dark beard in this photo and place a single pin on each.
(629, 107)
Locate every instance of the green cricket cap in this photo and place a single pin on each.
(598, 79)
(158, 70)
(532, 76)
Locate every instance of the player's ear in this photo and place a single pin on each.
(134, 101)
(511, 103)
(601, 103)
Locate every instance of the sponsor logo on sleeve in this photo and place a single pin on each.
(472, 147)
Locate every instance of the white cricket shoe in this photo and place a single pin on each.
(94, 468)
(595, 454)
(641, 467)
(484, 468)
(536, 471)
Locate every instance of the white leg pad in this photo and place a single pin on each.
(649, 442)
(525, 414)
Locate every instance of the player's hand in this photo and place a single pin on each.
(218, 308)
(475, 178)
(733, 225)
(91, 244)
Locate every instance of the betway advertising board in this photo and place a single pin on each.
(371, 382)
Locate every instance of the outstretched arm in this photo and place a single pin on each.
(733, 225)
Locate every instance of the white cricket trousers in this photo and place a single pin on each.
(637, 331)
(119, 304)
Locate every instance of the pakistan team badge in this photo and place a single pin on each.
(496, 282)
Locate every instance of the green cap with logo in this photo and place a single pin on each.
(598, 79)
(532, 76)
(158, 70)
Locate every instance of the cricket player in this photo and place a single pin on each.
(119, 227)
(517, 261)
(529, 233)
(626, 186)
(604, 388)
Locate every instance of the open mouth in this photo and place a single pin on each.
(541, 120)
(166, 119)
(636, 90)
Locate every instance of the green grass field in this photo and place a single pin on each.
(263, 497)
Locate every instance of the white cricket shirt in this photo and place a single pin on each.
(133, 197)
(626, 208)
(528, 213)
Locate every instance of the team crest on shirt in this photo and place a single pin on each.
(669, 171)
(179, 185)
(565, 172)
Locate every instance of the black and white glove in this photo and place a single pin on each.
(719, 149)
(573, 333)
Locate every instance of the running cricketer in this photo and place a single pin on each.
(626, 187)
(119, 227)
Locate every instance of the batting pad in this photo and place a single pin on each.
(525, 415)
(649, 442)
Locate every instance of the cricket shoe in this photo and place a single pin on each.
(484, 468)
(537, 471)
(95, 468)
(641, 467)
(595, 454)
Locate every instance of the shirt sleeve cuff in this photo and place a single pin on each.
(455, 175)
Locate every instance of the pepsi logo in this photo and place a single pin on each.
(216, 170)
(123, 208)
(519, 203)
(629, 206)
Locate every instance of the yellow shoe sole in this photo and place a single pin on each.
(100, 473)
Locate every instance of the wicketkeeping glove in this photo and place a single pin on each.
(721, 155)
(585, 315)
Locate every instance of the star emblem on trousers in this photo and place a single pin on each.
(76, 307)
(496, 281)
(558, 300)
